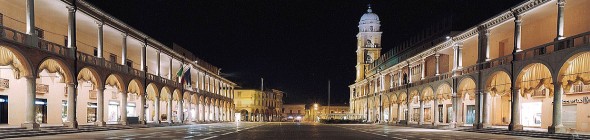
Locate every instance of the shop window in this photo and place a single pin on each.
(41, 110)
(64, 110)
(113, 58)
(91, 113)
(40, 32)
(3, 109)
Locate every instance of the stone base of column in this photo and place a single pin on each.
(420, 123)
(435, 124)
(143, 122)
(453, 125)
(32, 126)
(487, 125)
(556, 129)
(100, 123)
(158, 122)
(124, 123)
(73, 124)
(478, 125)
(517, 127)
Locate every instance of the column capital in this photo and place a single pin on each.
(100, 23)
(71, 9)
(560, 3)
(458, 45)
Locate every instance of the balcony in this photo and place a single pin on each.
(11, 35)
(4, 83)
(549, 48)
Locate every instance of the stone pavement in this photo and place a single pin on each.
(282, 130)
(504, 131)
(54, 130)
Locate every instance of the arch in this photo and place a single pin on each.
(498, 84)
(165, 95)
(89, 74)
(466, 86)
(115, 80)
(414, 95)
(402, 98)
(534, 77)
(152, 92)
(11, 57)
(135, 87)
(444, 92)
(53, 65)
(393, 98)
(575, 70)
(427, 94)
(177, 96)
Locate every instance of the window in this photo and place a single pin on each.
(1, 19)
(129, 63)
(113, 58)
(40, 33)
(291, 111)
(95, 52)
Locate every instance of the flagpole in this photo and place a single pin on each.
(329, 97)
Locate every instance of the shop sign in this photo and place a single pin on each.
(4, 83)
(584, 100)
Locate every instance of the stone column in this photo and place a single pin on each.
(124, 107)
(459, 112)
(517, 31)
(157, 106)
(71, 29)
(31, 92)
(142, 118)
(560, 19)
(169, 110)
(180, 110)
(435, 121)
(486, 110)
(459, 56)
(30, 15)
(142, 57)
(72, 121)
(557, 125)
(409, 107)
(100, 107)
(100, 45)
(423, 69)
(399, 112)
(198, 110)
(478, 108)
(124, 49)
(454, 99)
(421, 113)
(515, 124)
(410, 73)
(189, 114)
(159, 65)
(437, 63)
(483, 44)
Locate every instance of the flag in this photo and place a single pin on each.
(186, 77)
(180, 71)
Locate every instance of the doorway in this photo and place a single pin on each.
(91, 113)
(41, 110)
(470, 118)
(531, 114)
(113, 111)
(569, 116)
(3, 109)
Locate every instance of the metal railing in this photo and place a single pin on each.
(60, 50)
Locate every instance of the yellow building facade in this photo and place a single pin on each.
(257, 106)
(525, 67)
(68, 62)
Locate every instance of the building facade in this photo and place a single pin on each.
(525, 67)
(68, 62)
(258, 106)
(293, 112)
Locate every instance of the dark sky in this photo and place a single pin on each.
(296, 45)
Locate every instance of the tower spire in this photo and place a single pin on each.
(369, 8)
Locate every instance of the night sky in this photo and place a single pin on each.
(295, 45)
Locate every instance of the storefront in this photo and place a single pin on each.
(3, 109)
(91, 113)
(113, 111)
(41, 110)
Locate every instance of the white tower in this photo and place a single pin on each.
(368, 42)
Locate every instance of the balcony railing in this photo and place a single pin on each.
(570, 42)
(57, 49)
